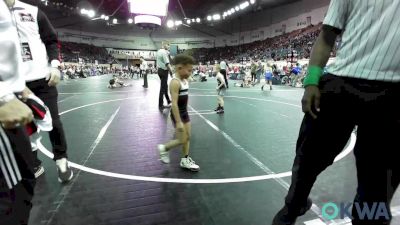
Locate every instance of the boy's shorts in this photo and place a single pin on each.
(268, 76)
(221, 92)
(184, 117)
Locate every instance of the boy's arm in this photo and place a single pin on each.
(174, 89)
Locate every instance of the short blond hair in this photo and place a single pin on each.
(165, 42)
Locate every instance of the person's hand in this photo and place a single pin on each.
(15, 113)
(25, 94)
(53, 77)
(311, 99)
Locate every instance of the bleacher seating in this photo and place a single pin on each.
(276, 48)
(89, 53)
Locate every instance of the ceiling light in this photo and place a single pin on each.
(188, 21)
(170, 23)
(237, 8)
(216, 17)
(83, 11)
(130, 20)
(244, 5)
(115, 21)
(148, 19)
(103, 16)
(252, 1)
(198, 20)
(91, 13)
(209, 18)
(106, 18)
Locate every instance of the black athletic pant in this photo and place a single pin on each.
(145, 84)
(163, 74)
(49, 96)
(223, 72)
(253, 77)
(15, 203)
(346, 102)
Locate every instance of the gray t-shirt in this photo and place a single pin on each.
(162, 59)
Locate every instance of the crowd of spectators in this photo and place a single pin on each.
(71, 52)
(276, 48)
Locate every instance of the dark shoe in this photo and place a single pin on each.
(220, 111)
(285, 217)
(262, 88)
(216, 109)
(39, 170)
(65, 173)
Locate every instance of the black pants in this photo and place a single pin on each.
(346, 102)
(49, 96)
(253, 77)
(15, 203)
(145, 83)
(223, 72)
(163, 74)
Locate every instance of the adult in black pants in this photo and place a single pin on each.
(17, 180)
(362, 88)
(143, 69)
(164, 67)
(163, 75)
(40, 63)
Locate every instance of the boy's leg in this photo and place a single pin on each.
(221, 101)
(186, 161)
(164, 148)
(186, 143)
(172, 144)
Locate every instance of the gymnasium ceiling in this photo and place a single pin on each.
(65, 14)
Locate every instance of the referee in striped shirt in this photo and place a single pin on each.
(363, 89)
(17, 178)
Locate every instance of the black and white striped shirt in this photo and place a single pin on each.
(370, 46)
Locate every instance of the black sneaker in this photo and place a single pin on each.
(39, 170)
(284, 217)
(262, 88)
(65, 173)
(220, 111)
(218, 108)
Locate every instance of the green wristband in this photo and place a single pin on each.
(313, 76)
